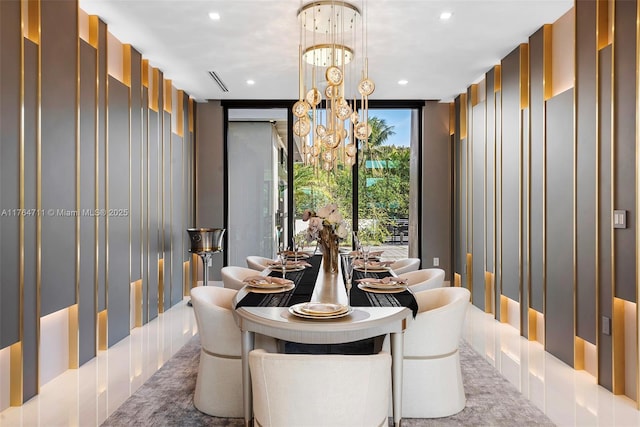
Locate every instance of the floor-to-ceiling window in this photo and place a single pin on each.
(380, 208)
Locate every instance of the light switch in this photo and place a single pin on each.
(619, 218)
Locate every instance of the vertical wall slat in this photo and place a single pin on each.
(154, 213)
(586, 169)
(165, 176)
(510, 175)
(624, 99)
(10, 75)
(559, 315)
(536, 215)
(86, 302)
(177, 272)
(59, 35)
(118, 201)
(101, 163)
(135, 159)
(490, 155)
(146, 279)
(477, 196)
(30, 297)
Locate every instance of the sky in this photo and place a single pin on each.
(400, 119)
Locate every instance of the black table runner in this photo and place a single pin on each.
(305, 281)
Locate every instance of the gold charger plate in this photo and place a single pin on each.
(284, 288)
(389, 290)
(372, 269)
(295, 310)
(292, 268)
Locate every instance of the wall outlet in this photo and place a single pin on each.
(436, 262)
(606, 325)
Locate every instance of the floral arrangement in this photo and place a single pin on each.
(326, 217)
(326, 227)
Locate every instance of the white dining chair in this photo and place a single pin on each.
(432, 379)
(218, 389)
(427, 278)
(233, 276)
(257, 262)
(293, 390)
(405, 265)
(219, 383)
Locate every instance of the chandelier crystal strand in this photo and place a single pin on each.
(336, 124)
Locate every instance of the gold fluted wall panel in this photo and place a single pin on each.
(56, 117)
(598, 173)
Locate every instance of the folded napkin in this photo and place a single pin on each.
(358, 254)
(298, 254)
(267, 280)
(290, 264)
(391, 281)
(372, 264)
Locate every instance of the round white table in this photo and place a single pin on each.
(362, 323)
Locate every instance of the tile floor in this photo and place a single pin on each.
(86, 396)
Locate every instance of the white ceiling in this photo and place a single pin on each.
(258, 40)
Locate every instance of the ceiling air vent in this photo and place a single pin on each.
(216, 78)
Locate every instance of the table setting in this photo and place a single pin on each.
(268, 284)
(387, 284)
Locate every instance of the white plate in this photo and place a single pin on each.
(279, 268)
(391, 285)
(271, 290)
(267, 285)
(372, 269)
(382, 291)
(321, 308)
(295, 310)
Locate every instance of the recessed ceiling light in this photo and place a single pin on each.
(403, 82)
(445, 16)
(251, 82)
(214, 16)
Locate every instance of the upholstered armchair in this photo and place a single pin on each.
(427, 278)
(233, 276)
(405, 265)
(432, 379)
(292, 390)
(258, 263)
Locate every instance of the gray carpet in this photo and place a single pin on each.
(166, 399)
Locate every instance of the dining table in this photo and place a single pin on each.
(271, 314)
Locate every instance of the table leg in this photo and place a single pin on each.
(247, 346)
(397, 350)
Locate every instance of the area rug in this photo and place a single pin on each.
(166, 399)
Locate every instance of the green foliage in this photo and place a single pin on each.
(383, 186)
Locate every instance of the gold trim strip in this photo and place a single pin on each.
(457, 280)
(504, 309)
(94, 26)
(532, 322)
(155, 90)
(126, 68)
(602, 23)
(497, 78)
(488, 292)
(15, 376)
(524, 75)
(168, 95)
(599, 32)
(72, 314)
(578, 356)
(103, 328)
(452, 118)
(180, 113)
(463, 116)
(191, 114)
(547, 55)
(161, 285)
(137, 302)
(145, 73)
(618, 346)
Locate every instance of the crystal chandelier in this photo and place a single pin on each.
(331, 114)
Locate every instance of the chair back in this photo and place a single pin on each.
(405, 265)
(320, 390)
(426, 278)
(233, 276)
(218, 332)
(437, 328)
(258, 263)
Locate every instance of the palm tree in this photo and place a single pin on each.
(380, 133)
